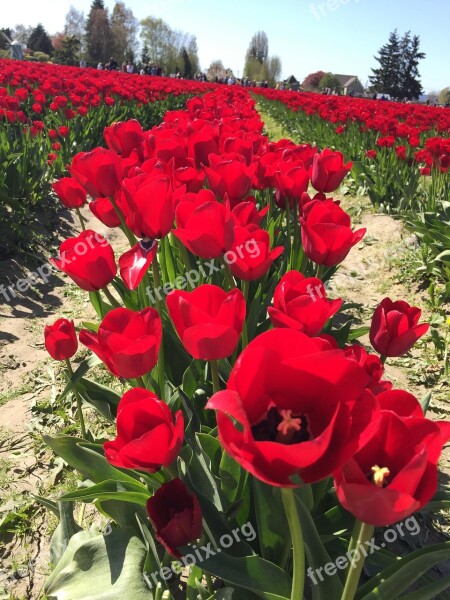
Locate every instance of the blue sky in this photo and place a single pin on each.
(341, 36)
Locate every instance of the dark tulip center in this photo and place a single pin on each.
(282, 426)
(147, 244)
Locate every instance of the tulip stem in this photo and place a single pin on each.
(298, 577)
(113, 301)
(159, 306)
(228, 274)
(245, 289)
(209, 582)
(141, 382)
(83, 228)
(362, 533)
(79, 403)
(215, 376)
(288, 225)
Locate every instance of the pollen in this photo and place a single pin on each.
(289, 424)
(379, 475)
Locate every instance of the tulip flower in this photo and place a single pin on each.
(175, 515)
(88, 260)
(301, 303)
(61, 339)
(127, 342)
(329, 170)
(395, 327)
(208, 320)
(70, 192)
(147, 437)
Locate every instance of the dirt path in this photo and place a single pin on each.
(28, 388)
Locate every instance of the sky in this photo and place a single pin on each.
(340, 36)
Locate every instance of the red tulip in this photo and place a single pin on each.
(208, 320)
(61, 339)
(372, 365)
(124, 137)
(127, 342)
(201, 144)
(395, 327)
(227, 174)
(328, 170)
(70, 192)
(292, 180)
(201, 224)
(149, 205)
(105, 212)
(395, 473)
(326, 233)
(135, 262)
(175, 515)
(302, 408)
(99, 171)
(301, 303)
(88, 260)
(249, 256)
(147, 438)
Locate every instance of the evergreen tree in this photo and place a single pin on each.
(398, 71)
(39, 40)
(386, 78)
(187, 65)
(69, 51)
(99, 40)
(411, 87)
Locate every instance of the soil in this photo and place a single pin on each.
(367, 275)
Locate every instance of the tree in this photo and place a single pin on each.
(410, 86)
(398, 71)
(67, 51)
(98, 35)
(39, 41)
(4, 44)
(444, 96)
(259, 47)
(187, 65)
(273, 69)
(124, 28)
(216, 69)
(166, 47)
(75, 23)
(312, 81)
(329, 81)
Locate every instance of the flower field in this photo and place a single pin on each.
(226, 418)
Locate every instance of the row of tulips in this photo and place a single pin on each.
(48, 112)
(400, 152)
(246, 399)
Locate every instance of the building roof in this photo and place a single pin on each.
(291, 80)
(346, 80)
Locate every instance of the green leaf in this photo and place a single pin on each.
(272, 524)
(425, 402)
(329, 587)
(88, 459)
(250, 572)
(440, 501)
(100, 396)
(430, 592)
(230, 475)
(100, 567)
(111, 490)
(67, 527)
(399, 576)
(357, 333)
(84, 367)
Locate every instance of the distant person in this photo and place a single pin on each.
(112, 64)
(130, 68)
(100, 66)
(82, 63)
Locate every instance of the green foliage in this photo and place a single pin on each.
(39, 41)
(329, 81)
(69, 51)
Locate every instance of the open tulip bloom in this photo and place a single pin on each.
(247, 433)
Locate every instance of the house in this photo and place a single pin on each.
(291, 83)
(350, 85)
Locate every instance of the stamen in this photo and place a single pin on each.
(289, 424)
(379, 475)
